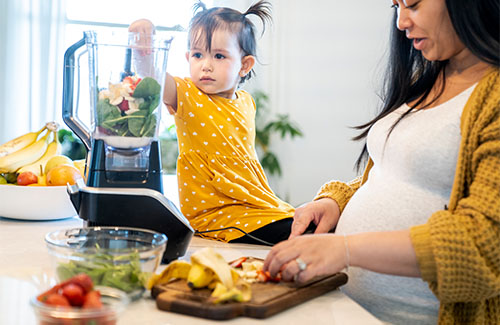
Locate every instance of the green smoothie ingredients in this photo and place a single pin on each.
(126, 108)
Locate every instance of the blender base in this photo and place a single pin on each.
(133, 207)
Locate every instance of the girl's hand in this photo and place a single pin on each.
(324, 213)
(322, 254)
(143, 26)
(145, 29)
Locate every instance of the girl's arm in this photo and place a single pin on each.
(170, 94)
(145, 26)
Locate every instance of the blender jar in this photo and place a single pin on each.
(126, 87)
(126, 74)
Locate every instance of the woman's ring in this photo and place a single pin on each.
(302, 265)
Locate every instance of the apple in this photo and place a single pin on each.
(27, 178)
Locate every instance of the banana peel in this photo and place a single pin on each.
(176, 270)
(239, 293)
(199, 276)
(212, 260)
(207, 269)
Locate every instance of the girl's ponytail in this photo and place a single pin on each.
(199, 5)
(261, 9)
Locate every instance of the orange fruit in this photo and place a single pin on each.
(62, 175)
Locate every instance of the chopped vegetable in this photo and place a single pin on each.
(123, 272)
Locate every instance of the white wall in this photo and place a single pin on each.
(319, 65)
(323, 61)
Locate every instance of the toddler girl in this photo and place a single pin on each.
(223, 190)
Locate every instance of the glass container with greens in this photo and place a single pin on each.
(118, 257)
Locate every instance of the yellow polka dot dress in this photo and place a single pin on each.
(221, 182)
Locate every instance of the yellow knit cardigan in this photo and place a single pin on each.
(458, 249)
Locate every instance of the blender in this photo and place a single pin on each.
(123, 187)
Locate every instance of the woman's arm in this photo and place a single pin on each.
(459, 249)
(388, 252)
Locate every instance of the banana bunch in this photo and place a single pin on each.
(207, 269)
(30, 151)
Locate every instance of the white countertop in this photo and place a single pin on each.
(25, 270)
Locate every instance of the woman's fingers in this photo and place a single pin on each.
(302, 258)
(324, 212)
(301, 220)
(324, 225)
(297, 270)
(280, 254)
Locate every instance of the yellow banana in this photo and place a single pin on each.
(54, 148)
(12, 162)
(199, 276)
(20, 142)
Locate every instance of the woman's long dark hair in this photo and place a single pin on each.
(409, 76)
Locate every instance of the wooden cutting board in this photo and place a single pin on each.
(267, 298)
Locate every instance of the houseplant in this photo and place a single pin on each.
(266, 127)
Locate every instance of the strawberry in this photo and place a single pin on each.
(55, 299)
(266, 277)
(74, 293)
(131, 81)
(124, 105)
(237, 263)
(92, 300)
(83, 280)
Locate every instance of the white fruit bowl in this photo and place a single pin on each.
(35, 202)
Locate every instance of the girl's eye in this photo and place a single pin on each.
(219, 56)
(413, 6)
(197, 55)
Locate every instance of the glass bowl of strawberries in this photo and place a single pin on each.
(77, 301)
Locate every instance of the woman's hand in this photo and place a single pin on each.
(324, 213)
(323, 255)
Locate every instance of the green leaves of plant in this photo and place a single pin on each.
(148, 87)
(265, 128)
(106, 111)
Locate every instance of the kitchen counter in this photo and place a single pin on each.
(25, 270)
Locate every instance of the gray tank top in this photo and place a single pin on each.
(411, 178)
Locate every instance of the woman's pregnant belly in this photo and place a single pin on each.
(384, 204)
